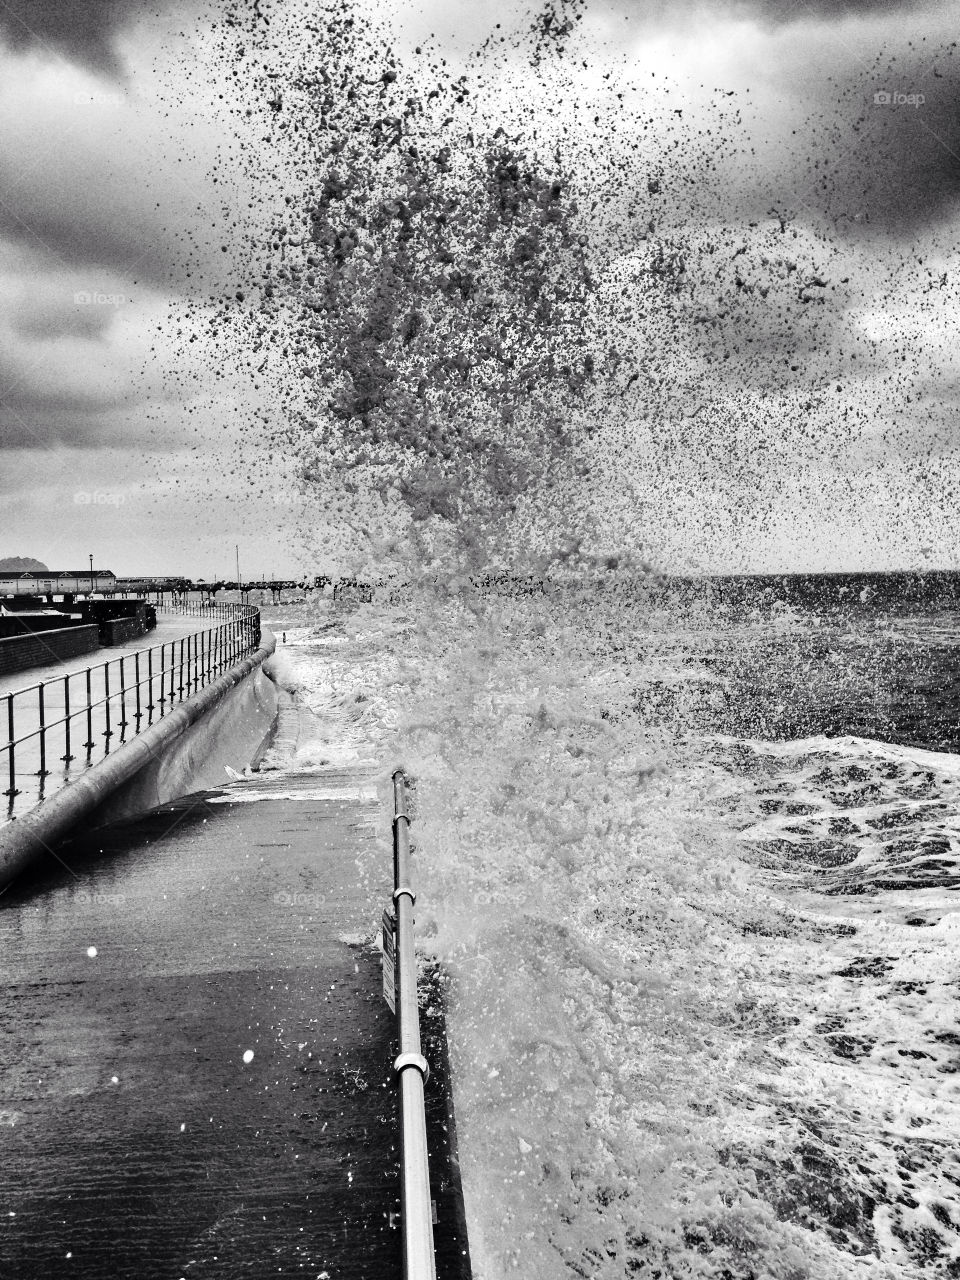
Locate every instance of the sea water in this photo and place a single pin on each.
(704, 973)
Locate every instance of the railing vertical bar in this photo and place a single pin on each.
(67, 755)
(89, 742)
(123, 701)
(41, 711)
(108, 732)
(11, 749)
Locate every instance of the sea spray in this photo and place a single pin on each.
(451, 316)
(623, 990)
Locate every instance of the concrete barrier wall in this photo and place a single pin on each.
(119, 630)
(183, 752)
(229, 735)
(25, 624)
(19, 653)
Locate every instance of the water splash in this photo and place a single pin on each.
(490, 355)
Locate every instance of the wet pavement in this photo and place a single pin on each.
(195, 1055)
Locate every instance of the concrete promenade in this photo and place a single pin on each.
(144, 965)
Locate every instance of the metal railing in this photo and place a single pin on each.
(83, 712)
(206, 609)
(411, 1066)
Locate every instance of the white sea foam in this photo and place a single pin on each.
(676, 1049)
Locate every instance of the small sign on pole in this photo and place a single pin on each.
(388, 959)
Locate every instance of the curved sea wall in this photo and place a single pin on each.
(225, 724)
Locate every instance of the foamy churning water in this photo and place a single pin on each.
(658, 1032)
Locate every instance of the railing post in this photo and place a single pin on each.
(89, 742)
(11, 752)
(163, 690)
(138, 714)
(180, 673)
(66, 757)
(108, 732)
(42, 773)
(150, 703)
(411, 1067)
(123, 701)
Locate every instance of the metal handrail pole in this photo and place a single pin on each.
(108, 732)
(173, 670)
(138, 714)
(67, 756)
(150, 703)
(11, 750)
(43, 734)
(123, 701)
(89, 742)
(411, 1067)
(180, 673)
(163, 672)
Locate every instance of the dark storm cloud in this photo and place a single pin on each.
(880, 148)
(83, 423)
(801, 10)
(778, 12)
(81, 30)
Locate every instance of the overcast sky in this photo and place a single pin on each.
(120, 178)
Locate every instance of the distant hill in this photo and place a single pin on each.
(22, 564)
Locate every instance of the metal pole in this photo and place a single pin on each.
(43, 735)
(108, 732)
(89, 742)
(138, 714)
(66, 757)
(411, 1066)
(150, 702)
(11, 764)
(123, 702)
